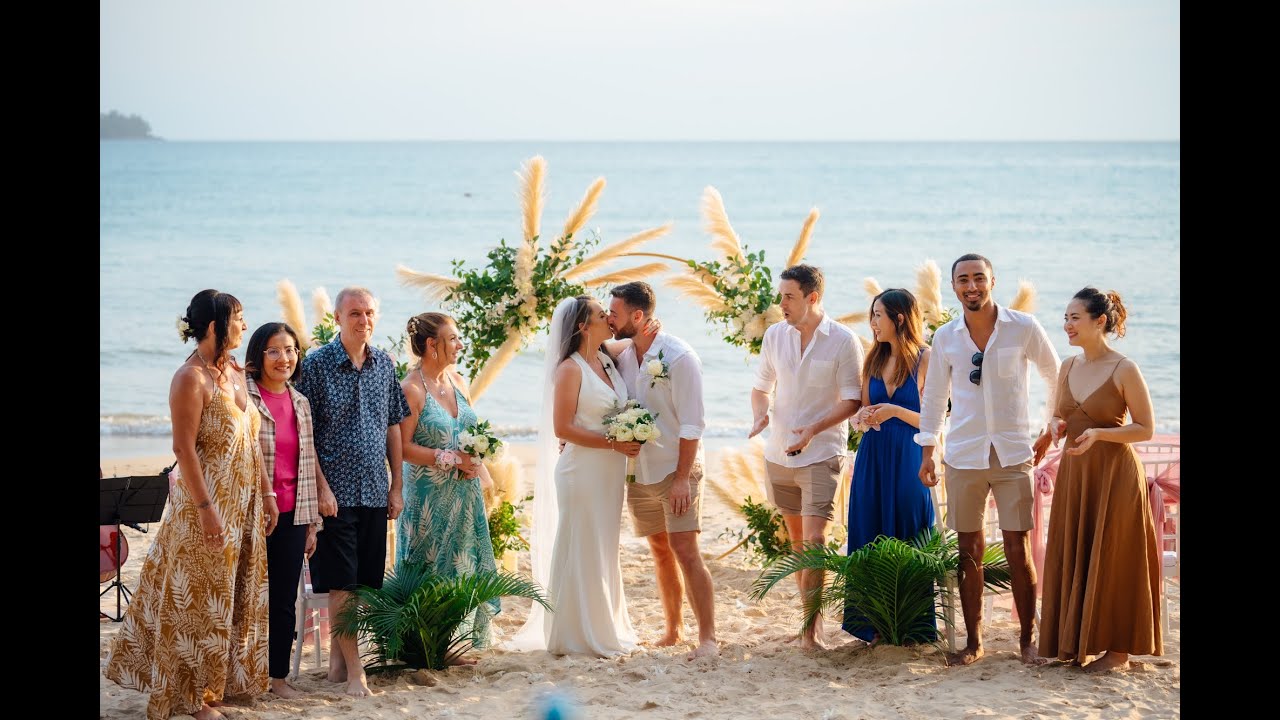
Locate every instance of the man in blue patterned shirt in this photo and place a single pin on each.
(357, 405)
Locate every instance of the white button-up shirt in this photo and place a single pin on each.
(995, 412)
(677, 403)
(808, 386)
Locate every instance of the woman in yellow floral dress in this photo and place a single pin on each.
(196, 629)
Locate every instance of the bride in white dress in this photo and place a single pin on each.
(578, 505)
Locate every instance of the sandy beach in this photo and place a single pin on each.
(757, 675)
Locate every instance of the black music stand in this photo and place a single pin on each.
(129, 501)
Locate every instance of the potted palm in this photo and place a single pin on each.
(421, 620)
(896, 584)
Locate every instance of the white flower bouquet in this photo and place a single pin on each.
(480, 442)
(631, 422)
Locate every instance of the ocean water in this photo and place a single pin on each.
(178, 217)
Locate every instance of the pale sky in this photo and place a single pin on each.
(644, 69)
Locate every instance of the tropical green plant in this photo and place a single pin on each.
(325, 330)
(504, 528)
(764, 537)
(892, 582)
(419, 619)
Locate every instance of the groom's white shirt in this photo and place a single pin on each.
(677, 402)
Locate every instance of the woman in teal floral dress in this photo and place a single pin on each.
(443, 522)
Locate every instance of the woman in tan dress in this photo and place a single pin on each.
(196, 629)
(1101, 585)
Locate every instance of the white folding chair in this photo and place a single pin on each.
(1157, 459)
(310, 603)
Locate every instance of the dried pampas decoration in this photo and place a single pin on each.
(723, 236)
(321, 303)
(531, 175)
(639, 272)
(291, 303)
(698, 291)
(802, 244)
(435, 287)
(1025, 299)
(578, 219)
(611, 252)
(929, 285)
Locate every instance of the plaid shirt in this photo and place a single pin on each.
(353, 408)
(306, 510)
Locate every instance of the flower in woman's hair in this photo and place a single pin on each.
(184, 328)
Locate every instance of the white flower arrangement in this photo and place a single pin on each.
(480, 442)
(184, 328)
(657, 370)
(632, 422)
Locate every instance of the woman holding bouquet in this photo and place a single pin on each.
(444, 522)
(578, 493)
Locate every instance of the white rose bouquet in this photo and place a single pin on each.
(657, 370)
(632, 423)
(480, 442)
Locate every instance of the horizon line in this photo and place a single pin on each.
(648, 140)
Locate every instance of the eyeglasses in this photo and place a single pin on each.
(277, 353)
(975, 375)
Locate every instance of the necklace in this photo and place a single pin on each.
(221, 373)
(439, 390)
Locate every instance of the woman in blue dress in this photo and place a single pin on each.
(886, 496)
(444, 522)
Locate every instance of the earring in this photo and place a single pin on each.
(435, 355)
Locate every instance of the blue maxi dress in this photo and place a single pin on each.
(886, 496)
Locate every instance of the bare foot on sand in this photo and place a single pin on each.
(283, 689)
(461, 660)
(206, 712)
(708, 648)
(356, 687)
(1108, 662)
(967, 656)
(811, 643)
(667, 640)
(1031, 657)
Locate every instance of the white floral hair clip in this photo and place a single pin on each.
(184, 328)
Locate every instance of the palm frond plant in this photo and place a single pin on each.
(897, 585)
(420, 620)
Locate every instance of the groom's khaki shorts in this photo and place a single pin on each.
(651, 506)
(967, 495)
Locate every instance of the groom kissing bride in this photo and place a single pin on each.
(665, 375)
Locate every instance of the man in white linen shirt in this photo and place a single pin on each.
(665, 375)
(981, 361)
(813, 366)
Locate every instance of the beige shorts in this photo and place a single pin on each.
(651, 506)
(808, 490)
(967, 496)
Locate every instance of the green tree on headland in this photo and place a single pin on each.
(115, 126)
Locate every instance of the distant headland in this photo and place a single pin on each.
(115, 126)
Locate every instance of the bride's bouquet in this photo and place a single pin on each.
(480, 442)
(631, 422)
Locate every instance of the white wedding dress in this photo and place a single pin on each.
(585, 587)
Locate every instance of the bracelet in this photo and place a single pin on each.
(204, 504)
(271, 493)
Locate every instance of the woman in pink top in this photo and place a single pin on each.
(271, 362)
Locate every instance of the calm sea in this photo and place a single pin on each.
(178, 217)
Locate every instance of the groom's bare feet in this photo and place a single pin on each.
(707, 648)
(808, 642)
(667, 640)
(967, 656)
(461, 660)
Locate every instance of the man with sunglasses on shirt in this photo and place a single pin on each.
(980, 361)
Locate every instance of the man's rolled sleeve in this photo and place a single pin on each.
(766, 375)
(933, 405)
(686, 396)
(849, 372)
